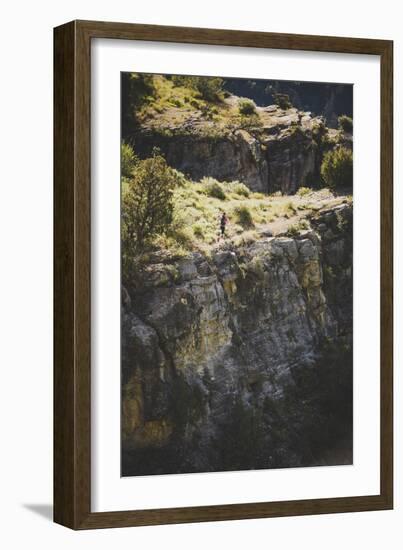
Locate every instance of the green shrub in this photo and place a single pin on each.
(209, 87)
(303, 224)
(180, 80)
(241, 189)
(147, 204)
(213, 188)
(282, 100)
(237, 187)
(248, 122)
(128, 159)
(180, 177)
(244, 217)
(247, 107)
(293, 230)
(337, 168)
(346, 124)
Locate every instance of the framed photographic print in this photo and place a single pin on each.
(223, 275)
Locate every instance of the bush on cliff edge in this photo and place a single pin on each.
(337, 168)
(247, 106)
(346, 124)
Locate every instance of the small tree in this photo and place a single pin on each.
(180, 80)
(346, 124)
(282, 100)
(337, 168)
(147, 205)
(209, 87)
(247, 107)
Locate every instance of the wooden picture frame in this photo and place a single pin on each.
(72, 292)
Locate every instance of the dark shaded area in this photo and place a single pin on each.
(328, 100)
(309, 424)
(135, 88)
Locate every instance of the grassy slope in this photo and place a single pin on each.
(196, 225)
(196, 219)
(181, 109)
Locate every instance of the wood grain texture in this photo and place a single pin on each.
(64, 376)
(72, 269)
(72, 240)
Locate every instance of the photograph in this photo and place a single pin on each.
(199, 310)
(236, 274)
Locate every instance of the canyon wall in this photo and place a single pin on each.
(284, 154)
(229, 360)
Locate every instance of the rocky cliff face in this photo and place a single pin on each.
(219, 354)
(328, 100)
(281, 155)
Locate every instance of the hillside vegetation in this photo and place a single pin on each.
(165, 208)
(188, 216)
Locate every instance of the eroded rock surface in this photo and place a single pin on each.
(214, 349)
(283, 154)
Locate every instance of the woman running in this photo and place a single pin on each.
(223, 223)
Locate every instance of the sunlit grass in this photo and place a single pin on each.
(198, 207)
(198, 210)
(180, 101)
